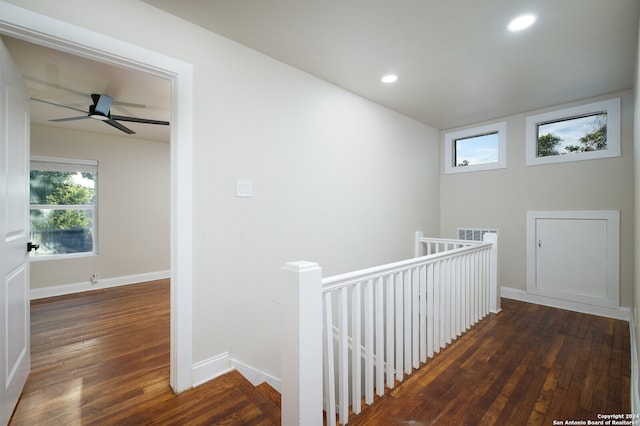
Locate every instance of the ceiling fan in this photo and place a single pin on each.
(101, 110)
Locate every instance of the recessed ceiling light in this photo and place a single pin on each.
(521, 22)
(389, 78)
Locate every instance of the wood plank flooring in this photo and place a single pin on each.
(103, 358)
(529, 365)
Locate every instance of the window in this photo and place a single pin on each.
(63, 201)
(584, 132)
(479, 148)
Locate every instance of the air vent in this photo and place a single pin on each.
(473, 234)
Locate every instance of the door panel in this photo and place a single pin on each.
(14, 233)
(17, 339)
(572, 256)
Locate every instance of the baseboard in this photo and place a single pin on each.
(635, 395)
(256, 376)
(210, 368)
(61, 290)
(603, 311)
(218, 365)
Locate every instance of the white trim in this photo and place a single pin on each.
(635, 395)
(74, 161)
(449, 146)
(44, 30)
(612, 285)
(64, 289)
(610, 106)
(620, 313)
(210, 368)
(256, 376)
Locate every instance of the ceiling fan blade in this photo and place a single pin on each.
(119, 126)
(138, 120)
(127, 104)
(58, 105)
(61, 120)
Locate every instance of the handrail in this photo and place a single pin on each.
(346, 279)
(448, 241)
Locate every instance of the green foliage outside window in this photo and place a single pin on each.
(560, 137)
(62, 206)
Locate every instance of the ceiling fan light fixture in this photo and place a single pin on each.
(98, 116)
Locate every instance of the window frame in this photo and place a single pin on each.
(81, 165)
(450, 139)
(610, 106)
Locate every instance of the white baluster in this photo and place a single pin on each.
(430, 309)
(399, 299)
(415, 317)
(437, 305)
(407, 321)
(459, 298)
(356, 342)
(442, 305)
(368, 342)
(390, 332)
(447, 301)
(343, 356)
(468, 291)
(423, 312)
(379, 317)
(329, 368)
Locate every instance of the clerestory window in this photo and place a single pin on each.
(478, 148)
(585, 132)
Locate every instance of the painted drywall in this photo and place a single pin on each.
(500, 198)
(336, 179)
(636, 282)
(133, 205)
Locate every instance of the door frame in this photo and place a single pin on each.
(43, 30)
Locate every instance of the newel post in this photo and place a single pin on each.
(301, 347)
(494, 284)
(419, 247)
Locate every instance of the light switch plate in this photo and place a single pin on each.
(244, 188)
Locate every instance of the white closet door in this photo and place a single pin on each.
(574, 256)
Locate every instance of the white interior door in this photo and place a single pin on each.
(14, 235)
(574, 256)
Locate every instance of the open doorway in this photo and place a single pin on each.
(34, 28)
(100, 195)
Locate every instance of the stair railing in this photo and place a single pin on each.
(349, 337)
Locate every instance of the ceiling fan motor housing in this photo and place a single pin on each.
(101, 107)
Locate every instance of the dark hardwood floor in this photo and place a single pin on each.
(528, 365)
(103, 358)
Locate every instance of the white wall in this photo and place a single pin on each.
(636, 234)
(500, 198)
(336, 179)
(133, 206)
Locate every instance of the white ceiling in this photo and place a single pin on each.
(457, 64)
(69, 80)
